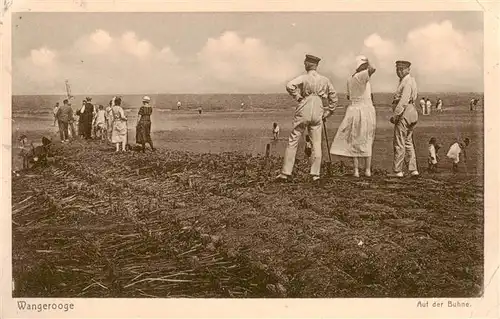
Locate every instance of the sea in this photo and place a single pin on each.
(24, 105)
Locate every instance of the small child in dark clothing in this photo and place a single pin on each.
(433, 158)
(308, 149)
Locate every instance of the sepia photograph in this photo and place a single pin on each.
(248, 155)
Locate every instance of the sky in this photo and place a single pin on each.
(153, 53)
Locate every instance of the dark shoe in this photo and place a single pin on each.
(282, 178)
(398, 175)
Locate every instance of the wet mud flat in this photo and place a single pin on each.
(95, 223)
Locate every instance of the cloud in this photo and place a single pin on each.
(443, 58)
(140, 48)
(446, 53)
(38, 70)
(43, 57)
(249, 62)
(100, 63)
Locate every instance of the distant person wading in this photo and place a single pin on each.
(143, 129)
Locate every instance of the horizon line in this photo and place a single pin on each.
(226, 93)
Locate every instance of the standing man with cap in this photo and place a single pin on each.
(405, 118)
(317, 100)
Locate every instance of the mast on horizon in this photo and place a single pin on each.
(68, 90)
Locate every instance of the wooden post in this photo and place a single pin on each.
(268, 151)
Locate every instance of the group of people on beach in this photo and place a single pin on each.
(317, 100)
(110, 123)
(426, 105)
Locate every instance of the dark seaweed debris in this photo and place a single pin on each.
(177, 224)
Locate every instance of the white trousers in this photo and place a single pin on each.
(310, 119)
(404, 150)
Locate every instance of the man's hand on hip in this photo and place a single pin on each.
(326, 115)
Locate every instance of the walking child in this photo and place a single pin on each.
(276, 131)
(433, 155)
(455, 150)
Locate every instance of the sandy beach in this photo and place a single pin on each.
(200, 217)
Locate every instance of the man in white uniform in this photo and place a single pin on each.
(317, 100)
(422, 105)
(428, 106)
(404, 119)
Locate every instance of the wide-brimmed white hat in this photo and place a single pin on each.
(360, 59)
(146, 98)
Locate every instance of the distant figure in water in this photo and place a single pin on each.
(433, 159)
(455, 150)
(439, 105)
(143, 129)
(119, 134)
(276, 131)
(179, 105)
(473, 104)
(199, 110)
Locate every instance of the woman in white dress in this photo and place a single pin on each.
(119, 132)
(355, 134)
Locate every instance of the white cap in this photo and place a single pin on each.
(360, 59)
(146, 98)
